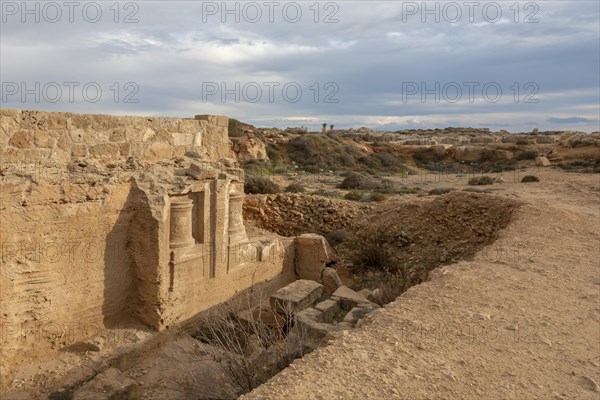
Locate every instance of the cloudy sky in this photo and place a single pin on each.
(382, 64)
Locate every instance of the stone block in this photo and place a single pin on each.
(311, 328)
(105, 150)
(503, 155)
(110, 384)
(542, 162)
(118, 135)
(349, 298)
(357, 313)
(296, 296)
(124, 148)
(43, 139)
(331, 280)
(261, 315)
(211, 119)
(21, 140)
(329, 309)
(78, 150)
(183, 139)
(158, 151)
(312, 254)
(197, 139)
(222, 121)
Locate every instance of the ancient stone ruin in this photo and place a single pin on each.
(109, 221)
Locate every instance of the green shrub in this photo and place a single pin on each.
(235, 128)
(354, 196)
(530, 178)
(377, 197)
(260, 185)
(335, 237)
(527, 155)
(273, 153)
(440, 191)
(295, 188)
(481, 180)
(355, 180)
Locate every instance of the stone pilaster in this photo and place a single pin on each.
(181, 223)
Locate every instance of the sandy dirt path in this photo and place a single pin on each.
(520, 321)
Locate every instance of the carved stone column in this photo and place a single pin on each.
(181, 223)
(236, 229)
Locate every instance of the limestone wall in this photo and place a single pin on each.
(86, 233)
(59, 137)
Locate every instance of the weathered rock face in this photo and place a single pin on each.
(109, 220)
(248, 148)
(542, 162)
(468, 153)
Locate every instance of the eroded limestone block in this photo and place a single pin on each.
(331, 280)
(296, 296)
(312, 254)
(542, 162)
(329, 308)
(356, 314)
(349, 298)
(311, 328)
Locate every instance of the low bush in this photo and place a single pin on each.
(260, 185)
(335, 237)
(295, 188)
(440, 191)
(236, 128)
(527, 155)
(481, 180)
(377, 197)
(354, 196)
(355, 180)
(530, 178)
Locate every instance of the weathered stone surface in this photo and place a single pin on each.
(158, 151)
(356, 313)
(183, 139)
(296, 296)
(21, 140)
(105, 150)
(349, 298)
(542, 162)
(311, 328)
(110, 384)
(376, 296)
(329, 308)
(261, 315)
(312, 254)
(331, 280)
(503, 155)
(248, 148)
(468, 153)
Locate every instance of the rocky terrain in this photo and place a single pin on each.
(459, 262)
(519, 321)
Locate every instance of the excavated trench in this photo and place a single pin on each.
(381, 252)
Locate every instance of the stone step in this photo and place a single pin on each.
(349, 298)
(296, 296)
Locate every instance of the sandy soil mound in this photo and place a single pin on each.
(426, 232)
